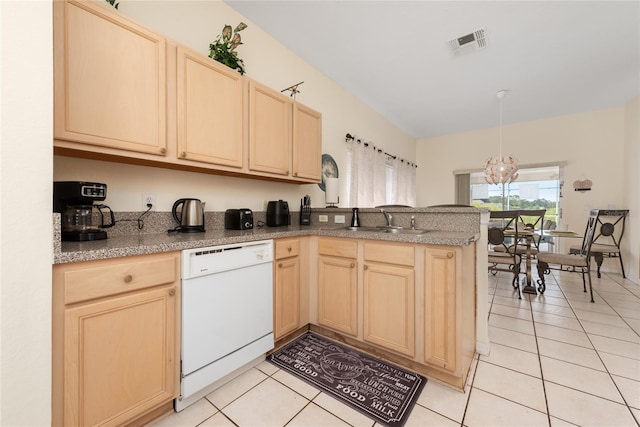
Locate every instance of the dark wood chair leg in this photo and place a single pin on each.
(599, 258)
(622, 266)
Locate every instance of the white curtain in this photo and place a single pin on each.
(404, 182)
(367, 177)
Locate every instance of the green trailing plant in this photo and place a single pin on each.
(113, 3)
(223, 49)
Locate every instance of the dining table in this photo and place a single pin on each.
(526, 238)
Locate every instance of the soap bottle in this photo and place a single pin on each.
(355, 220)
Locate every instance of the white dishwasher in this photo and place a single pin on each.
(227, 313)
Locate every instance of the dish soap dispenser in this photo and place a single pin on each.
(355, 219)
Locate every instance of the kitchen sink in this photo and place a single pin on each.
(385, 229)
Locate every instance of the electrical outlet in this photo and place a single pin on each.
(148, 199)
(338, 219)
(323, 218)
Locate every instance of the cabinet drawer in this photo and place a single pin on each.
(287, 248)
(113, 277)
(390, 253)
(338, 247)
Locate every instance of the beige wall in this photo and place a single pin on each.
(25, 213)
(196, 24)
(632, 185)
(593, 144)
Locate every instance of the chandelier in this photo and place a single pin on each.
(501, 169)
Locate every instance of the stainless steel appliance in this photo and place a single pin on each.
(278, 214)
(189, 214)
(238, 219)
(227, 314)
(75, 201)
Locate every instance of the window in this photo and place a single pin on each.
(535, 188)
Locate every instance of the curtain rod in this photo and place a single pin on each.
(349, 137)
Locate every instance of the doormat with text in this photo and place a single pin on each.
(384, 392)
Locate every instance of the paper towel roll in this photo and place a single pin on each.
(331, 191)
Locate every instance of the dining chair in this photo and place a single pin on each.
(530, 220)
(607, 240)
(548, 225)
(504, 259)
(576, 262)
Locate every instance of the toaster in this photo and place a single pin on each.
(238, 219)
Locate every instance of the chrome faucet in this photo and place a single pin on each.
(388, 217)
(413, 222)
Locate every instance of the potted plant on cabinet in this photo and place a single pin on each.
(223, 49)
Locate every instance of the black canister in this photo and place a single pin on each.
(355, 219)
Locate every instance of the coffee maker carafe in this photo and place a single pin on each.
(74, 200)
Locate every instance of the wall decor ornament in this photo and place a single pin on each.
(329, 169)
(223, 49)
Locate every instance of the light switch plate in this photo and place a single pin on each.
(323, 218)
(338, 219)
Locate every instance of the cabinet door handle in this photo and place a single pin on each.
(128, 278)
(289, 248)
(449, 254)
(163, 150)
(353, 265)
(183, 154)
(279, 265)
(172, 292)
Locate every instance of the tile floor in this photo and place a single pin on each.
(556, 360)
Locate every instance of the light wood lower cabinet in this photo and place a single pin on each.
(286, 291)
(389, 296)
(115, 335)
(338, 285)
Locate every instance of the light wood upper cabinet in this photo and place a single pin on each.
(270, 130)
(115, 339)
(307, 143)
(109, 79)
(209, 109)
(441, 309)
(389, 296)
(286, 287)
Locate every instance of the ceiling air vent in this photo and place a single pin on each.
(469, 42)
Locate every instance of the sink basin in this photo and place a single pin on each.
(403, 230)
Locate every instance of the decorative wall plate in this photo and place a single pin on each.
(329, 169)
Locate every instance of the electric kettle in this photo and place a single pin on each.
(189, 213)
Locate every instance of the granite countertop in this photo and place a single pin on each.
(140, 244)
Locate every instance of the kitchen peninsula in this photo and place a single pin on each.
(407, 298)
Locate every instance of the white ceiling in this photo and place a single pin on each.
(554, 57)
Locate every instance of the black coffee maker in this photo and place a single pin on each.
(75, 201)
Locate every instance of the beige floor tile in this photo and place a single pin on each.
(313, 415)
(624, 333)
(513, 339)
(268, 368)
(511, 323)
(634, 324)
(508, 293)
(557, 422)
(621, 366)
(234, 389)
(607, 319)
(514, 312)
(578, 377)
(218, 420)
(189, 417)
(554, 320)
(585, 409)
(630, 390)
(550, 300)
(423, 417)
(267, 404)
(627, 304)
(513, 358)
(511, 385)
(444, 400)
(616, 346)
(629, 313)
(570, 353)
(296, 384)
(512, 302)
(486, 409)
(596, 308)
(568, 336)
(553, 309)
(342, 411)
